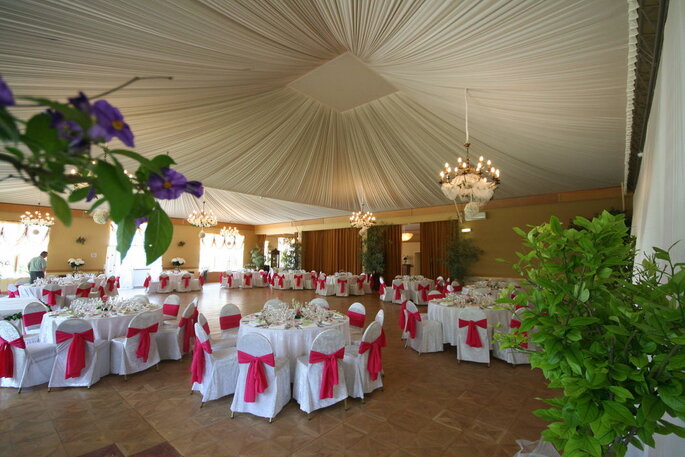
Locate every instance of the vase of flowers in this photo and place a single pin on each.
(75, 264)
(177, 262)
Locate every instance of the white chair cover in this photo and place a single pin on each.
(60, 300)
(367, 283)
(353, 313)
(123, 350)
(156, 286)
(276, 395)
(171, 306)
(320, 302)
(220, 369)
(421, 292)
(357, 285)
(32, 364)
(399, 292)
(170, 339)
(428, 333)
(195, 283)
(464, 350)
(184, 283)
(227, 280)
(32, 317)
(385, 291)
(216, 342)
(511, 355)
(323, 287)
(309, 280)
(281, 281)
(96, 358)
(83, 290)
(247, 280)
(112, 286)
(357, 374)
(342, 286)
(275, 303)
(308, 376)
(227, 313)
(140, 298)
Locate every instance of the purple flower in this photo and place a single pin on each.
(110, 124)
(169, 186)
(6, 97)
(195, 188)
(91, 194)
(81, 103)
(70, 131)
(140, 220)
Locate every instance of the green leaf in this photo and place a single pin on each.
(79, 194)
(652, 407)
(126, 229)
(116, 188)
(677, 402)
(588, 444)
(8, 127)
(163, 161)
(38, 132)
(577, 321)
(584, 295)
(149, 164)
(618, 412)
(157, 234)
(621, 392)
(61, 209)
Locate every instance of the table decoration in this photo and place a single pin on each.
(296, 315)
(76, 263)
(96, 307)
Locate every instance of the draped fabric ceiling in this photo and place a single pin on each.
(274, 139)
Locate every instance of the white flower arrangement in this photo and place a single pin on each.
(100, 216)
(76, 263)
(178, 261)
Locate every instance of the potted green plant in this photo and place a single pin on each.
(460, 255)
(611, 335)
(257, 256)
(373, 252)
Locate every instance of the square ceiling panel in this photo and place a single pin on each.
(343, 83)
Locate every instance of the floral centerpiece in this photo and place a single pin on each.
(76, 263)
(177, 262)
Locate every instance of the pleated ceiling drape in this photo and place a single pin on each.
(332, 250)
(434, 239)
(393, 251)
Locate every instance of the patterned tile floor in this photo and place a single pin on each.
(431, 406)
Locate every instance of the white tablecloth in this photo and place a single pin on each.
(104, 328)
(449, 316)
(9, 306)
(293, 342)
(37, 291)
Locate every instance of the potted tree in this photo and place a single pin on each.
(373, 252)
(611, 335)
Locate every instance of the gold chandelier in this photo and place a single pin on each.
(230, 235)
(37, 218)
(362, 220)
(202, 219)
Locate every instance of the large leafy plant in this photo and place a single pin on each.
(257, 256)
(612, 337)
(460, 255)
(62, 151)
(373, 250)
(291, 257)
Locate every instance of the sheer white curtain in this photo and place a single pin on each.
(18, 245)
(220, 254)
(135, 258)
(659, 201)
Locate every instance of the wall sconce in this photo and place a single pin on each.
(181, 244)
(407, 236)
(465, 230)
(81, 240)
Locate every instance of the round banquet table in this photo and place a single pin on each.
(293, 342)
(104, 328)
(36, 292)
(449, 317)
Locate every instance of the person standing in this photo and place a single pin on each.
(37, 266)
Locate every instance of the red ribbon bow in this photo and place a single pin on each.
(147, 281)
(221, 277)
(83, 293)
(255, 381)
(52, 301)
(403, 318)
(197, 366)
(229, 322)
(343, 283)
(143, 351)
(169, 309)
(412, 318)
(76, 357)
(7, 356)
(381, 289)
(517, 324)
(111, 283)
(186, 281)
(329, 377)
(229, 280)
(322, 282)
(201, 280)
(187, 325)
(102, 292)
(32, 319)
(163, 281)
(298, 280)
(12, 293)
(360, 283)
(248, 279)
(424, 291)
(280, 280)
(356, 319)
(265, 277)
(398, 288)
(472, 336)
(374, 364)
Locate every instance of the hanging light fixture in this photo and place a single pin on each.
(472, 183)
(230, 235)
(202, 219)
(362, 220)
(37, 218)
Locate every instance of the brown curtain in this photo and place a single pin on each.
(332, 250)
(393, 251)
(434, 239)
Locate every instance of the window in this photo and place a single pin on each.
(133, 268)
(19, 244)
(220, 254)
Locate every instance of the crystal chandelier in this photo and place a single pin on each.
(362, 220)
(202, 219)
(469, 182)
(37, 218)
(230, 235)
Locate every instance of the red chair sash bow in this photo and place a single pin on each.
(187, 325)
(111, 283)
(197, 366)
(205, 327)
(118, 284)
(458, 288)
(329, 377)
(437, 296)
(322, 282)
(424, 291)
(12, 293)
(76, 357)
(186, 281)
(195, 315)
(146, 284)
(360, 283)
(83, 293)
(201, 280)
(382, 338)
(271, 279)
(102, 292)
(229, 280)
(517, 324)
(31, 319)
(7, 356)
(229, 322)
(472, 336)
(52, 301)
(412, 318)
(143, 351)
(248, 279)
(356, 319)
(169, 309)
(403, 318)
(163, 281)
(313, 276)
(381, 289)
(280, 279)
(398, 288)
(343, 284)
(265, 277)
(221, 277)
(298, 280)
(374, 364)
(255, 381)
